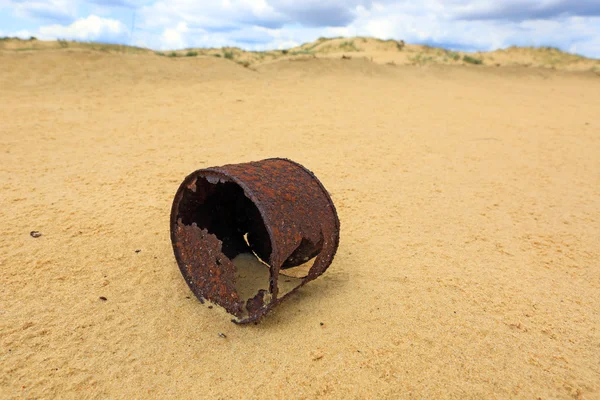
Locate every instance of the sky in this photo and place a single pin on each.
(469, 25)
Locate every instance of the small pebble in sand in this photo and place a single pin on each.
(224, 336)
(35, 234)
(103, 298)
(209, 306)
(138, 250)
(320, 323)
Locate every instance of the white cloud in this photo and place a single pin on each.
(173, 38)
(90, 28)
(213, 15)
(120, 3)
(49, 10)
(321, 12)
(522, 10)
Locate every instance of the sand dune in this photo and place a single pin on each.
(391, 52)
(468, 198)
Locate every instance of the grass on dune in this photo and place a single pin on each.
(472, 60)
(545, 56)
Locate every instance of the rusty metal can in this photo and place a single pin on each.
(274, 212)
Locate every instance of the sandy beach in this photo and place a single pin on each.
(469, 201)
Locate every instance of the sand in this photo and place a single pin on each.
(469, 201)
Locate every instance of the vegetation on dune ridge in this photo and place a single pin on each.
(472, 60)
(17, 44)
(390, 51)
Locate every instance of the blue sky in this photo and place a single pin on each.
(572, 25)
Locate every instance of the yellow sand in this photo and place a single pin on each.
(469, 200)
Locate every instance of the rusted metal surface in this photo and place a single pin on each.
(274, 208)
